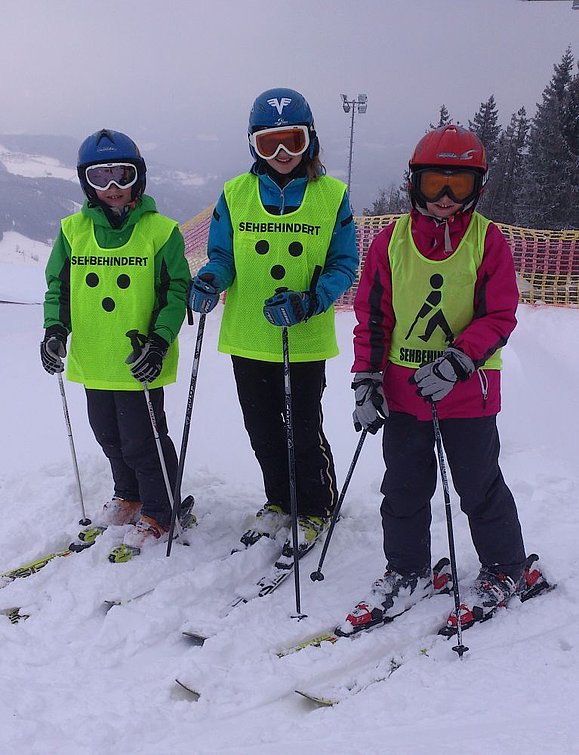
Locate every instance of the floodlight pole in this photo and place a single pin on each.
(351, 147)
(351, 106)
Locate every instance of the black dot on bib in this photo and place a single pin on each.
(436, 280)
(92, 280)
(108, 304)
(278, 272)
(295, 248)
(123, 281)
(262, 247)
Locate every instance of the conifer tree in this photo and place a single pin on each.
(393, 200)
(486, 126)
(503, 191)
(443, 118)
(552, 175)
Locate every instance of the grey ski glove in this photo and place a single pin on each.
(371, 407)
(436, 379)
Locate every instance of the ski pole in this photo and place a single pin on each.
(290, 446)
(459, 648)
(161, 455)
(317, 576)
(291, 465)
(137, 339)
(84, 521)
(186, 428)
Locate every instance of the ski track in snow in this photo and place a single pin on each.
(76, 679)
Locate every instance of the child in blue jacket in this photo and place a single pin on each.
(282, 243)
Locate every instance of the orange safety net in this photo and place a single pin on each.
(547, 262)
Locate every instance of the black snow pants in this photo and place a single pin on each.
(260, 387)
(122, 427)
(472, 451)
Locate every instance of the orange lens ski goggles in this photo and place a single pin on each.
(292, 139)
(459, 185)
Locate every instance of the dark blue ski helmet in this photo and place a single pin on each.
(282, 107)
(107, 146)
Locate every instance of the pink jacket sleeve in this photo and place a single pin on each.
(373, 308)
(495, 301)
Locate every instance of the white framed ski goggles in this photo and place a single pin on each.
(292, 139)
(103, 175)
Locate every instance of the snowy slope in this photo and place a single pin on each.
(22, 263)
(35, 166)
(77, 680)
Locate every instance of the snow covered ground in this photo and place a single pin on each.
(22, 263)
(78, 680)
(35, 166)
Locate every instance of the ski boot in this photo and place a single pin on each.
(393, 594)
(147, 532)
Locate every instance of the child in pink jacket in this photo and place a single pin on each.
(435, 304)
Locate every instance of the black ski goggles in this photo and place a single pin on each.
(459, 185)
(103, 175)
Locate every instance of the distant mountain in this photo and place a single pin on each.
(39, 186)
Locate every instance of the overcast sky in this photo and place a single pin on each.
(179, 76)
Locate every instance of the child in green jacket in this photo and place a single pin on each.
(118, 265)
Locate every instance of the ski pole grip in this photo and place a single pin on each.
(137, 342)
(315, 278)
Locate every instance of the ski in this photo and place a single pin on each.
(27, 570)
(263, 587)
(108, 604)
(441, 585)
(279, 572)
(315, 641)
(332, 693)
(86, 538)
(266, 585)
(317, 698)
(194, 694)
(328, 695)
(13, 615)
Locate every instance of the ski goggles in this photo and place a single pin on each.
(459, 185)
(103, 175)
(292, 139)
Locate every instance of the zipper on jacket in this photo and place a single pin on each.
(281, 193)
(484, 385)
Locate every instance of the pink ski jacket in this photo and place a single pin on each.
(495, 303)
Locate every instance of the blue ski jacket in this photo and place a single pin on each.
(342, 259)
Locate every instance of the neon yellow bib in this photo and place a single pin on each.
(433, 300)
(113, 291)
(273, 251)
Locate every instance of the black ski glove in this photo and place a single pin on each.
(148, 365)
(436, 379)
(287, 308)
(53, 349)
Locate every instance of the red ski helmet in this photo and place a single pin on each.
(448, 148)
